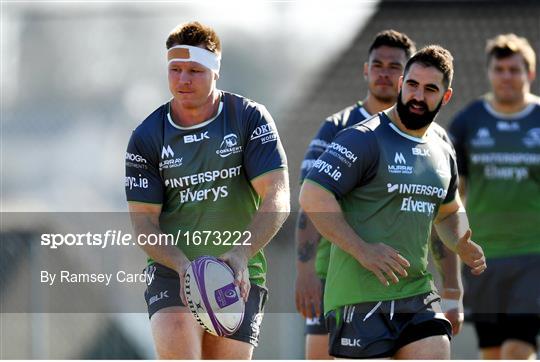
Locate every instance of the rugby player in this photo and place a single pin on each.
(387, 56)
(374, 193)
(207, 160)
(497, 139)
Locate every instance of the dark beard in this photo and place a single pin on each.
(415, 121)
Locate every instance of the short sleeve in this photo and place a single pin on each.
(318, 145)
(143, 181)
(263, 151)
(458, 136)
(454, 180)
(350, 161)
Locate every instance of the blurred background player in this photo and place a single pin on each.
(387, 56)
(497, 139)
(374, 193)
(205, 160)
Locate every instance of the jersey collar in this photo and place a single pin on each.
(196, 126)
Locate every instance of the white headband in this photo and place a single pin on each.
(187, 53)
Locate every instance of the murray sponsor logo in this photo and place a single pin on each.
(168, 160)
(265, 133)
(326, 168)
(483, 138)
(400, 165)
(167, 152)
(229, 146)
(133, 182)
(417, 189)
(532, 138)
(190, 138)
(170, 163)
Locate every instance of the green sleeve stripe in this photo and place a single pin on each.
(319, 185)
(143, 202)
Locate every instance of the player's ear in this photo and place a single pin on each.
(447, 96)
(216, 75)
(366, 69)
(531, 75)
(400, 82)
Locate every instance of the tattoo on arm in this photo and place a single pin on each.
(306, 251)
(302, 220)
(437, 247)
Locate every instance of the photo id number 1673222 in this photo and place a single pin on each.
(218, 238)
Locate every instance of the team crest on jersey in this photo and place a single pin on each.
(532, 138)
(483, 138)
(229, 146)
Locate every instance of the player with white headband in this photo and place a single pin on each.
(205, 161)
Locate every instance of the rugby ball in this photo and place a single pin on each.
(212, 297)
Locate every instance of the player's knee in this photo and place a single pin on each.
(516, 349)
(176, 336)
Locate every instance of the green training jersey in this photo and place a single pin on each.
(201, 175)
(390, 186)
(499, 155)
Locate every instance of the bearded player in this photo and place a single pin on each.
(375, 193)
(387, 56)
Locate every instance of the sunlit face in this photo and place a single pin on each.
(421, 96)
(191, 83)
(509, 78)
(382, 71)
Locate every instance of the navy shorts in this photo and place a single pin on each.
(504, 301)
(380, 329)
(164, 291)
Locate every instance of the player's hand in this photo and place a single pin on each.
(471, 253)
(383, 261)
(452, 307)
(181, 270)
(308, 292)
(237, 258)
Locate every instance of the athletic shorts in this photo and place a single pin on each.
(317, 325)
(164, 291)
(380, 329)
(504, 301)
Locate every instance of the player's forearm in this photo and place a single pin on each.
(167, 254)
(325, 213)
(452, 227)
(448, 265)
(269, 218)
(307, 240)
